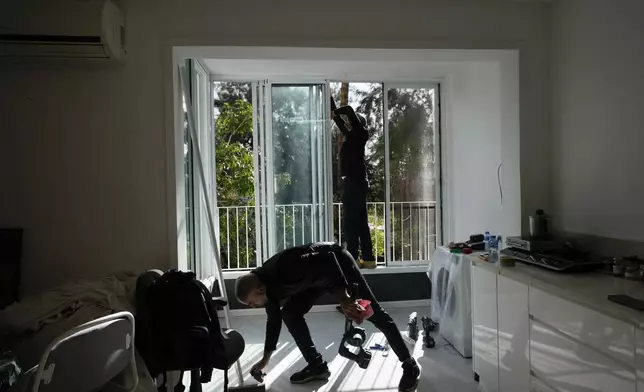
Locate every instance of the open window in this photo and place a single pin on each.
(272, 149)
(199, 248)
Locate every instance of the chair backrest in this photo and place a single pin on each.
(88, 356)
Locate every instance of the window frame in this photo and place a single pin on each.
(201, 252)
(197, 258)
(438, 145)
(392, 267)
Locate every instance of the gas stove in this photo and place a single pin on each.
(557, 260)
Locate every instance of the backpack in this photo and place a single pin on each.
(178, 328)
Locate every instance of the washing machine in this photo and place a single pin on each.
(451, 303)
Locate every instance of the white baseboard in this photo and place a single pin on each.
(331, 308)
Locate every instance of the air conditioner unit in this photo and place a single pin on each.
(90, 29)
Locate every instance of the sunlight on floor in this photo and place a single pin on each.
(443, 369)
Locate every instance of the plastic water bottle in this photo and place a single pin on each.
(486, 240)
(493, 255)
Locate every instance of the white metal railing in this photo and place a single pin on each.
(413, 231)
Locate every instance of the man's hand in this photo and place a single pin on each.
(259, 366)
(351, 309)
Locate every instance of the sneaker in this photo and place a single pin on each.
(311, 373)
(411, 374)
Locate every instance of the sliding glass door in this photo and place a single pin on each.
(403, 168)
(291, 164)
(413, 171)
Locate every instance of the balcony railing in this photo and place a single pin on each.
(413, 231)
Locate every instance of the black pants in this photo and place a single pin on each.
(298, 305)
(356, 219)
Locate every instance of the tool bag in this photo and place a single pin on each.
(178, 329)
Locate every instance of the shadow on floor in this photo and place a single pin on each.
(443, 369)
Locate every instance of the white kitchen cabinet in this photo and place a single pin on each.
(536, 385)
(639, 358)
(569, 365)
(484, 325)
(513, 335)
(541, 332)
(613, 337)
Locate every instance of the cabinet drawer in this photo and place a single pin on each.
(639, 359)
(613, 337)
(568, 365)
(485, 328)
(537, 385)
(513, 336)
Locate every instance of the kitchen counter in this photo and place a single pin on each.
(589, 289)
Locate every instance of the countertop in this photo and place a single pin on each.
(589, 289)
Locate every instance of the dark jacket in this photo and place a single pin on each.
(294, 270)
(352, 160)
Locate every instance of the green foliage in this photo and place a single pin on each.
(377, 224)
(237, 233)
(234, 155)
(235, 177)
(229, 92)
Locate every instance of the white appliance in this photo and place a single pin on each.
(93, 29)
(451, 303)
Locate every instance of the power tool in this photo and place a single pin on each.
(355, 337)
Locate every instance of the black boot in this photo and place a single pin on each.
(311, 373)
(409, 379)
(412, 326)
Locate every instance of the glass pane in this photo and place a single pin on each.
(201, 105)
(412, 173)
(188, 173)
(298, 128)
(367, 100)
(234, 172)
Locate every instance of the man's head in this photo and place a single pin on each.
(250, 290)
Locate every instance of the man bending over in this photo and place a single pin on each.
(299, 276)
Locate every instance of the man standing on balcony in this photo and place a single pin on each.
(299, 276)
(353, 170)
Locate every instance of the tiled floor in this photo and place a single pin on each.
(443, 369)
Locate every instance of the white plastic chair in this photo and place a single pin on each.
(89, 356)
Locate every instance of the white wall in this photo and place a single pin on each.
(84, 158)
(474, 197)
(598, 131)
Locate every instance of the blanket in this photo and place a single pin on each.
(113, 293)
(28, 326)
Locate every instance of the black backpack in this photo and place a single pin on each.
(178, 328)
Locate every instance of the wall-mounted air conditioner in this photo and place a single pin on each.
(92, 29)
